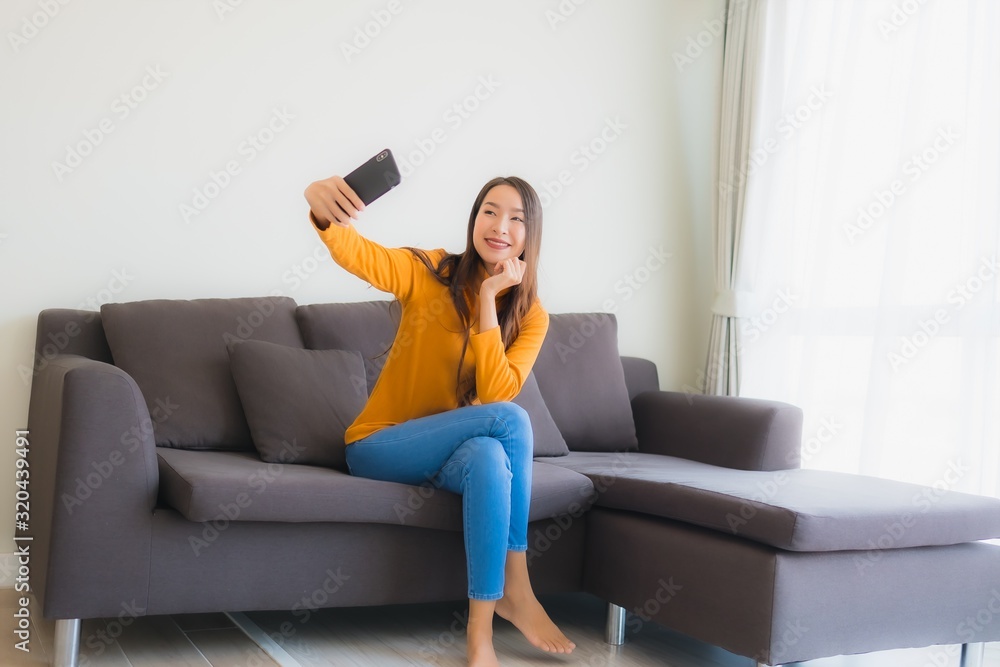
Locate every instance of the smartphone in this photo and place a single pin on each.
(375, 177)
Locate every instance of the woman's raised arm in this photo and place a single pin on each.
(332, 207)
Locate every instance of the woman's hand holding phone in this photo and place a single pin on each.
(332, 201)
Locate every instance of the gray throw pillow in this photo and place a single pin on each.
(580, 375)
(299, 402)
(175, 350)
(547, 438)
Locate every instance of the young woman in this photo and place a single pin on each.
(470, 332)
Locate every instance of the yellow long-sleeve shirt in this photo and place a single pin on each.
(419, 376)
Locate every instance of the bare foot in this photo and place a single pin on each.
(530, 618)
(482, 655)
(479, 645)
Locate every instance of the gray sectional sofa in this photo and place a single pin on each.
(185, 458)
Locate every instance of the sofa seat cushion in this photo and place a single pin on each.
(797, 510)
(238, 486)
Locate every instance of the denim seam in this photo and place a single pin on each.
(466, 533)
(497, 596)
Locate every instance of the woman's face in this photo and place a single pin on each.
(499, 230)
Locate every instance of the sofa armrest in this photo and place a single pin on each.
(93, 485)
(740, 433)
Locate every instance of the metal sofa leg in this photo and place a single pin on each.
(614, 632)
(67, 643)
(973, 655)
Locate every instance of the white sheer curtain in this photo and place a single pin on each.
(872, 236)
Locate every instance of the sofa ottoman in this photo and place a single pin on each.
(789, 565)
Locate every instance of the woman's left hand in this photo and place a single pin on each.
(504, 274)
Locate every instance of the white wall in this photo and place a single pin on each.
(111, 228)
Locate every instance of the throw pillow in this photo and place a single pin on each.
(547, 438)
(299, 402)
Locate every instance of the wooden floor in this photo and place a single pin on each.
(429, 634)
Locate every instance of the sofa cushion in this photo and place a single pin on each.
(797, 510)
(304, 397)
(368, 327)
(237, 486)
(548, 441)
(580, 375)
(175, 350)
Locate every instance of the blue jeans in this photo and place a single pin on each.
(482, 452)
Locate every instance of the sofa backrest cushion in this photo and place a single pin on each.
(580, 375)
(175, 350)
(299, 402)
